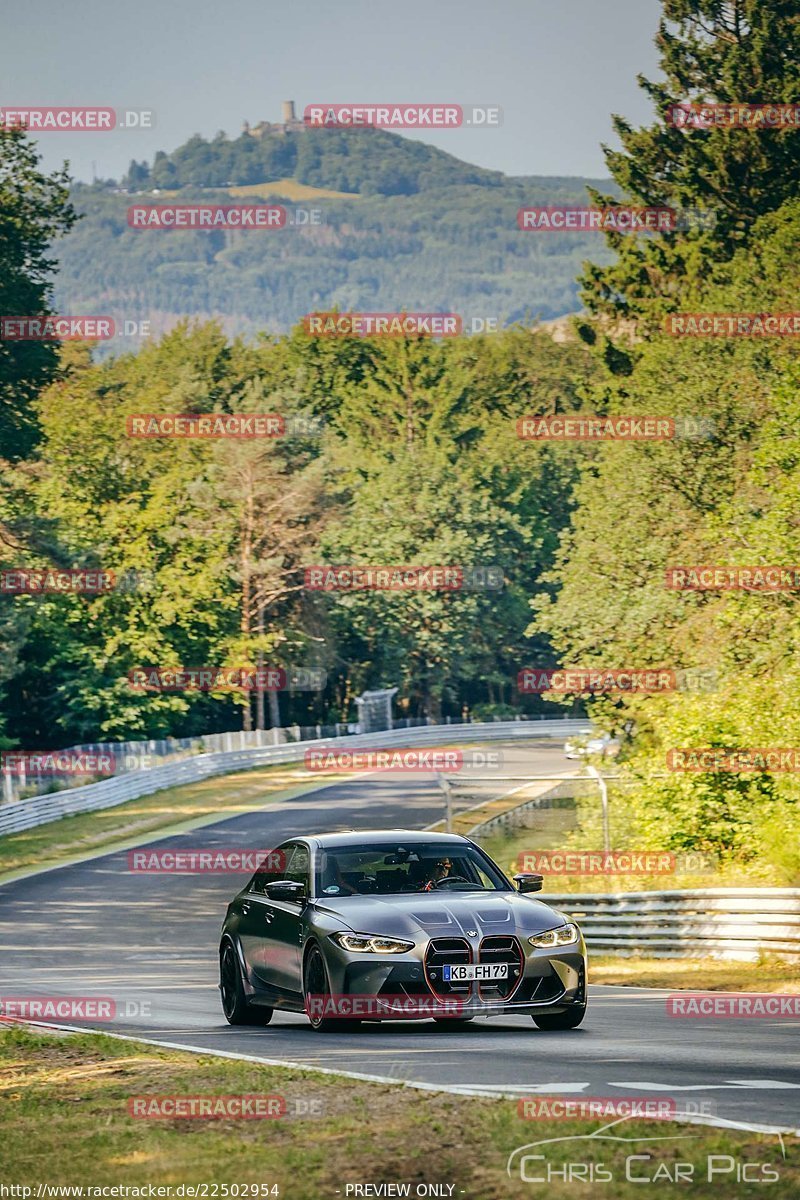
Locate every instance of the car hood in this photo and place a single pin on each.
(439, 915)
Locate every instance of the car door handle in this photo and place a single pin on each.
(268, 915)
(245, 907)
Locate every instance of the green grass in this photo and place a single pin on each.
(64, 1107)
(769, 974)
(547, 829)
(558, 829)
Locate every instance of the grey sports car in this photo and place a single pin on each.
(396, 924)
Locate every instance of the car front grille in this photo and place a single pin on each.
(501, 949)
(452, 950)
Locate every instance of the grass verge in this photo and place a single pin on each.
(698, 974)
(566, 824)
(66, 1122)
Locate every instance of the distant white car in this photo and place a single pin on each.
(603, 744)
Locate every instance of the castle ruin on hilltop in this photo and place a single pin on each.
(290, 123)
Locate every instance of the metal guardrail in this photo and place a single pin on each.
(25, 781)
(512, 817)
(728, 923)
(26, 814)
(732, 923)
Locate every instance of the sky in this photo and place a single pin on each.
(557, 69)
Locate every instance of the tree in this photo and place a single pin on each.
(429, 471)
(138, 176)
(740, 51)
(128, 504)
(728, 498)
(272, 494)
(164, 174)
(34, 211)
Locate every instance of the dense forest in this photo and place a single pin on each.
(413, 457)
(400, 224)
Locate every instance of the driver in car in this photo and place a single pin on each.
(441, 870)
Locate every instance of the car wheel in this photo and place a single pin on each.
(235, 1005)
(316, 985)
(569, 1019)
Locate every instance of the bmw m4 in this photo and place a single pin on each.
(394, 924)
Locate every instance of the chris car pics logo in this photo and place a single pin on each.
(599, 1157)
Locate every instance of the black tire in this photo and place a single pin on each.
(235, 1005)
(569, 1019)
(316, 983)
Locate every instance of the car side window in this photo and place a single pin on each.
(273, 868)
(297, 866)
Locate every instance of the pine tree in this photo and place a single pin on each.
(741, 51)
(34, 210)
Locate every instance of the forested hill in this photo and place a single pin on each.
(402, 225)
(366, 161)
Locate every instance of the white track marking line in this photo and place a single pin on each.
(729, 1085)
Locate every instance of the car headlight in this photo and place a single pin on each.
(367, 943)
(565, 935)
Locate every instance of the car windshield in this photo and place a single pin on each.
(387, 868)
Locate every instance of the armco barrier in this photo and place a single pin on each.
(732, 923)
(25, 814)
(514, 815)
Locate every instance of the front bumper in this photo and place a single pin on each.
(546, 981)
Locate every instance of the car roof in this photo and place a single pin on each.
(372, 837)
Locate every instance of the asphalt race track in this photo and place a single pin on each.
(150, 942)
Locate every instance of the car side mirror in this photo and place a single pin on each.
(285, 889)
(528, 882)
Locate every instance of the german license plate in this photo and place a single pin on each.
(456, 973)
